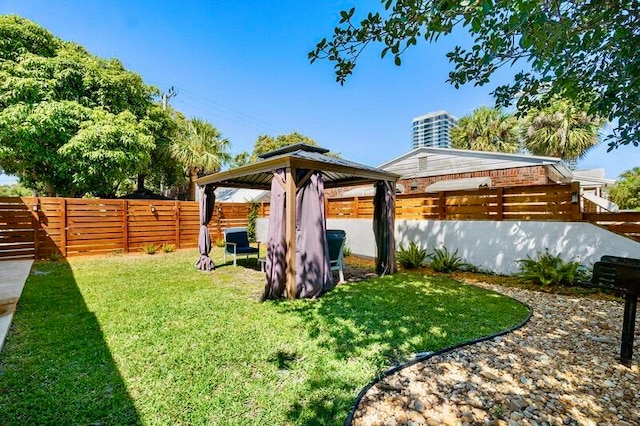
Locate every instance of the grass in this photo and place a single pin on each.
(149, 340)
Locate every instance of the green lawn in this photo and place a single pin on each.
(148, 339)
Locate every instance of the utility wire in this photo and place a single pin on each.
(228, 114)
(218, 110)
(224, 107)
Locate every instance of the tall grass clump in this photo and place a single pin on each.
(149, 248)
(168, 248)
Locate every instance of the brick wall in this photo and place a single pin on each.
(521, 176)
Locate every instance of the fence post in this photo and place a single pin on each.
(261, 208)
(326, 207)
(499, 203)
(35, 223)
(356, 203)
(125, 225)
(177, 213)
(63, 233)
(576, 214)
(442, 206)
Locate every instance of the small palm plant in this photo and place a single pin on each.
(442, 260)
(412, 257)
(550, 269)
(149, 248)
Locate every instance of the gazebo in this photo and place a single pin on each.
(297, 263)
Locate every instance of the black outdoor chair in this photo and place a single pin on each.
(336, 239)
(236, 242)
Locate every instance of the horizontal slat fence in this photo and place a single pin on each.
(625, 223)
(16, 230)
(41, 227)
(93, 226)
(541, 202)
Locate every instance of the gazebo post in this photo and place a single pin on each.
(290, 231)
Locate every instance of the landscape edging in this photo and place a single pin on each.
(426, 356)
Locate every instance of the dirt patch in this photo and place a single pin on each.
(7, 306)
(517, 283)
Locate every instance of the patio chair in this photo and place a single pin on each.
(236, 242)
(336, 239)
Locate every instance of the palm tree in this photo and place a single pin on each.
(200, 149)
(560, 130)
(626, 191)
(486, 129)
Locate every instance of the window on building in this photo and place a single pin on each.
(422, 164)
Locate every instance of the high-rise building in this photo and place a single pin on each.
(433, 129)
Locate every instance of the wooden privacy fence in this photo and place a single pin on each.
(540, 202)
(41, 227)
(558, 202)
(624, 223)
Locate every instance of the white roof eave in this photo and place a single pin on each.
(534, 159)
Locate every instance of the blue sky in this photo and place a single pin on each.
(242, 65)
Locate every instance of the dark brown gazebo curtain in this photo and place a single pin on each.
(276, 243)
(384, 228)
(313, 270)
(206, 203)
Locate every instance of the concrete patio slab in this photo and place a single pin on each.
(13, 275)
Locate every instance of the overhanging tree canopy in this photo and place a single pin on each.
(70, 122)
(294, 167)
(585, 51)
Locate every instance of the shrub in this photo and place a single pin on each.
(149, 248)
(252, 219)
(412, 257)
(168, 248)
(549, 269)
(220, 243)
(54, 257)
(346, 251)
(468, 267)
(442, 260)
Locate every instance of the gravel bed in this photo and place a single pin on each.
(561, 368)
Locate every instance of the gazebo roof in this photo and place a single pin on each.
(336, 171)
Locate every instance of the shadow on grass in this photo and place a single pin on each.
(56, 367)
(382, 322)
(250, 263)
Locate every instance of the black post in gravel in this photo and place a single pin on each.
(628, 329)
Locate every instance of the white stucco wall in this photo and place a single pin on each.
(262, 229)
(491, 245)
(497, 246)
(360, 238)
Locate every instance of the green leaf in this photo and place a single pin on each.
(584, 47)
